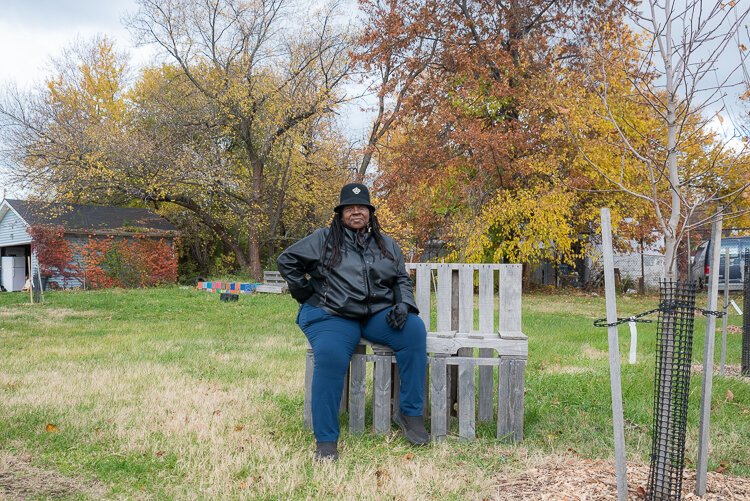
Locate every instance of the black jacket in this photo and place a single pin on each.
(364, 283)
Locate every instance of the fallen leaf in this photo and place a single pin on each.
(409, 456)
(51, 428)
(159, 454)
(381, 475)
(239, 427)
(730, 396)
(722, 466)
(640, 491)
(243, 485)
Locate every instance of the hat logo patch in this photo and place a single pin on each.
(356, 190)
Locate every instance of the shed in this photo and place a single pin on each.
(79, 223)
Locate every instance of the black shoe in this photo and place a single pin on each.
(326, 451)
(413, 428)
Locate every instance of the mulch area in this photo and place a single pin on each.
(577, 479)
(729, 371)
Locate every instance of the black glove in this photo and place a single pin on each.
(396, 318)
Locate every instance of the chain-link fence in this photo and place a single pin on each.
(634, 272)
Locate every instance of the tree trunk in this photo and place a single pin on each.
(256, 268)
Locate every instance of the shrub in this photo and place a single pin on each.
(53, 252)
(103, 262)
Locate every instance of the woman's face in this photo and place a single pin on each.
(355, 217)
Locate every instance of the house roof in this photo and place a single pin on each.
(91, 218)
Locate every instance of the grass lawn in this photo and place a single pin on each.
(169, 393)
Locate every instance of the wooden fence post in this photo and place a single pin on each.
(708, 362)
(614, 357)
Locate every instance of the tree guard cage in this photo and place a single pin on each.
(674, 347)
(745, 369)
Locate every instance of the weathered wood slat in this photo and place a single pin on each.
(309, 368)
(510, 298)
(444, 297)
(343, 403)
(271, 289)
(451, 393)
(466, 399)
(438, 398)
(615, 383)
(272, 276)
(510, 399)
(381, 405)
(486, 299)
(396, 391)
(453, 266)
(486, 326)
(450, 346)
(357, 392)
(486, 387)
(426, 402)
(424, 285)
(489, 362)
(466, 298)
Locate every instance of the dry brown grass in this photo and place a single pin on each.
(208, 405)
(592, 353)
(19, 480)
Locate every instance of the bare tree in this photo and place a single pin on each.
(263, 77)
(684, 74)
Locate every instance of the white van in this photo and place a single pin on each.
(700, 269)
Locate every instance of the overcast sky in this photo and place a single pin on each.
(34, 31)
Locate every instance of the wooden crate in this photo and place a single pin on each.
(272, 283)
(451, 343)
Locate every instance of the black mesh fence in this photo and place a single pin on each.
(745, 368)
(674, 348)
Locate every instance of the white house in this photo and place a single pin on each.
(80, 222)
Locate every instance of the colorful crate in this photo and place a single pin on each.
(231, 287)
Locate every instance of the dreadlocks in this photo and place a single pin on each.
(336, 240)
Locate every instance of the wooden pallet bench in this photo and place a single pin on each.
(457, 350)
(273, 283)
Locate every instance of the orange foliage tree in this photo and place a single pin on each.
(136, 262)
(474, 157)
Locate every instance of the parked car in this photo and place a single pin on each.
(700, 269)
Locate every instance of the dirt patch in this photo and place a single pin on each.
(20, 480)
(577, 479)
(51, 314)
(733, 371)
(593, 353)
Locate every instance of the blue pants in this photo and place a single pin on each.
(333, 340)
